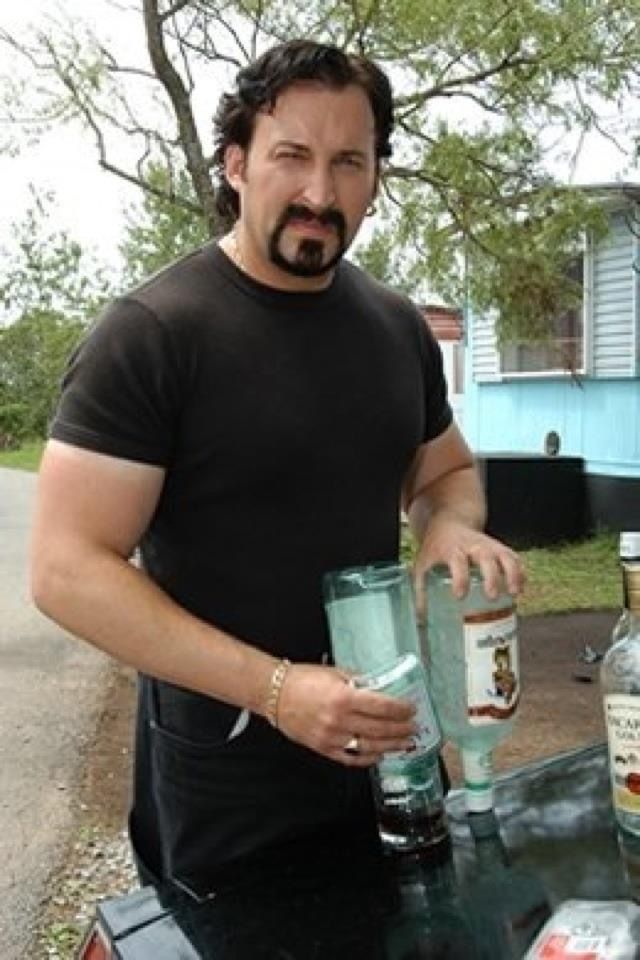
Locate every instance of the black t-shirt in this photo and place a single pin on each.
(286, 423)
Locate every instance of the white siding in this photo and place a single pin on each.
(613, 309)
(612, 286)
(485, 361)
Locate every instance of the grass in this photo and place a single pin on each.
(61, 941)
(573, 576)
(576, 576)
(26, 457)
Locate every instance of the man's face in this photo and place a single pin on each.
(304, 183)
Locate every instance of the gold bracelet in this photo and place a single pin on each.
(275, 689)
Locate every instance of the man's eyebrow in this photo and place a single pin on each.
(292, 145)
(303, 148)
(360, 154)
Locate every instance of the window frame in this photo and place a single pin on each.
(581, 369)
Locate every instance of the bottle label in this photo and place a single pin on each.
(428, 736)
(563, 946)
(406, 679)
(491, 656)
(622, 714)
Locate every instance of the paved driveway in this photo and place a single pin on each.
(50, 698)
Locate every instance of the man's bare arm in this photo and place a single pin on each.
(91, 512)
(445, 504)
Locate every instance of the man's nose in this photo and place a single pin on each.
(320, 190)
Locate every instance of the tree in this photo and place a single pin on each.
(481, 88)
(50, 289)
(46, 271)
(159, 231)
(33, 353)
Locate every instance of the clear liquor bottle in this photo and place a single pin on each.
(629, 552)
(407, 786)
(473, 673)
(620, 685)
(372, 626)
(371, 615)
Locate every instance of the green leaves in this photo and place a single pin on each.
(46, 270)
(50, 289)
(485, 92)
(33, 353)
(158, 230)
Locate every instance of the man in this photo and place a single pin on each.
(251, 417)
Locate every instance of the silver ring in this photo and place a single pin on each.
(352, 747)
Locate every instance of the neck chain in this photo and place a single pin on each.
(234, 249)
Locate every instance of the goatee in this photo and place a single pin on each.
(309, 258)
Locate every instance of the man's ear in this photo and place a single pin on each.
(234, 165)
(374, 193)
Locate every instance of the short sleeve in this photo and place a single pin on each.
(121, 391)
(438, 412)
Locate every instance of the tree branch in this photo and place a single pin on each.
(510, 62)
(104, 162)
(171, 12)
(180, 101)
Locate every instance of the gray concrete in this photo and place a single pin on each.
(50, 696)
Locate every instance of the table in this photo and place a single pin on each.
(553, 838)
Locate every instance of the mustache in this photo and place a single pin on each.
(328, 218)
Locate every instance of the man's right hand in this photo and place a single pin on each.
(321, 710)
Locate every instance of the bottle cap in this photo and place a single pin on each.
(478, 780)
(479, 800)
(630, 545)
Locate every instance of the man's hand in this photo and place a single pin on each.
(319, 709)
(449, 541)
(444, 501)
(456, 545)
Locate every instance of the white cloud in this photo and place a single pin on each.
(64, 161)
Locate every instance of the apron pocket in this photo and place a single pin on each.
(217, 802)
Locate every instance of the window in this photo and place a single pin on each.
(563, 351)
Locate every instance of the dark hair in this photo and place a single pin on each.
(259, 85)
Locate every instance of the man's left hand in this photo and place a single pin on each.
(450, 542)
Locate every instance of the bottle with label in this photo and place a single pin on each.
(620, 684)
(474, 674)
(629, 552)
(373, 631)
(407, 786)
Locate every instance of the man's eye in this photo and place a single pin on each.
(348, 161)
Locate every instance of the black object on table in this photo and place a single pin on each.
(552, 838)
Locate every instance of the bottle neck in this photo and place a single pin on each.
(478, 779)
(491, 853)
(631, 588)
